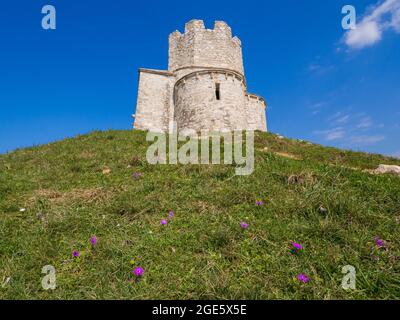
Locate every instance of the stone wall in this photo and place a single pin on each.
(255, 108)
(154, 107)
(197, 106)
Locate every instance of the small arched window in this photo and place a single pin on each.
(217, 91)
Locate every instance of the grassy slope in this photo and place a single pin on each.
(202, 253)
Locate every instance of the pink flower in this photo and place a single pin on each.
(136, 175)
(303, 278)
(171, 214)
(93, 240)
(163, 222)
(259, 203)
(244, 225)
(75, 253)
(379, 242)
(297, 246)
(138, 271)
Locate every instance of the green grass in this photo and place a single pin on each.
(202, 253)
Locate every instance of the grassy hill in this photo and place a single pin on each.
(323, 198)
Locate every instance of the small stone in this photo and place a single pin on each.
(6, 282)
(385, 168)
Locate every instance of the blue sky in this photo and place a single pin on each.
(322, 83)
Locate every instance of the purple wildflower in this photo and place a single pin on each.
(259, 203)
(75, 253)
(138, 271)
(136, 175)
(303, 278)
(93, 240)
(379, 242)
(171, 214)
(163, 222)
(244, 225)
(297, 246)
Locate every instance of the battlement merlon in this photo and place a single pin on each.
(197, 26)
(222, 28)
(194, 26)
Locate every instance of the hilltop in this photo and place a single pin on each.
(54, 197)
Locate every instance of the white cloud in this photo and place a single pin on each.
(332, 134)
(343, 119)
(339, 118)
(319, 68)
(351, 130)
(396, 154)
(365, 123)
(366, 34)
(381, 17)
(395, 24)
(366, 139)
(316, 107)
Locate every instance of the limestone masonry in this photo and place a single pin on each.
(204, 87)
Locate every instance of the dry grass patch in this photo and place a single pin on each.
(303, 178)
(203, 206)
(288, 155)
(87, 155)
(281, 153)
(83, 195)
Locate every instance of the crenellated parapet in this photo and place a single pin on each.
(205, 48)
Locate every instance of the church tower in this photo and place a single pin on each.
(204, 87)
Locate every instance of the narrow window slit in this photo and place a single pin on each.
(217, 92)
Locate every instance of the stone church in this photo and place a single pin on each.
(204, 87)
